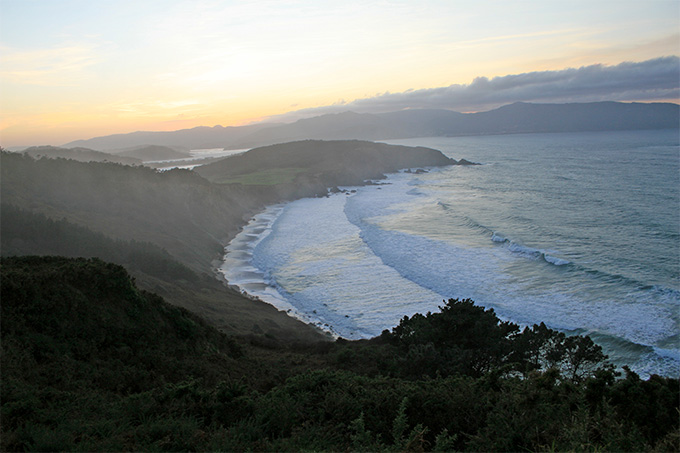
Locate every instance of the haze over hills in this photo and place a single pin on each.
(194, 138)
(153, 152)
(80, 154)
(510, 119)
(180, 210)
(148, 220)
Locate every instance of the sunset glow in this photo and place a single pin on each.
(74, 69)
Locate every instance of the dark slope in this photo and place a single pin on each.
(78, 337)
(515, 118)
(29, 233)
(92, 363)
(91, 310)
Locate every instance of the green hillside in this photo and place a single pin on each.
(331, 163)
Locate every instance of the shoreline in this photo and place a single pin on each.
(309, 192)
(313, 324)
(328, 164)
(278, 301)
(330, 191)
(284, 307)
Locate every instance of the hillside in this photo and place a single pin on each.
(177, 210)
(30, 233)
(514, 118)
(92, 363)
(79, 154)
(324, 163)
(181, 211)
(164, 227)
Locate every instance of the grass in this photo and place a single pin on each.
(270, 177)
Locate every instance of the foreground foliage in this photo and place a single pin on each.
(91, 363)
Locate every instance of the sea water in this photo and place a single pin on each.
(577, 230)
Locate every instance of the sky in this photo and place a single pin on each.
(76, 69)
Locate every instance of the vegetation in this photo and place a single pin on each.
(93, 359)
(176, 210)
(165, 228)
(26, 233)
(92, 363)
(79, 154)
(323, 163)
(269, 177)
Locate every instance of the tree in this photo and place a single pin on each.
(462, 338)
(468, 339)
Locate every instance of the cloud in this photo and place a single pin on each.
(58, 66)
(656, 79)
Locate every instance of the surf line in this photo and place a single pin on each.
(239, 273)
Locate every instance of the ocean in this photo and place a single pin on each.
(577, 230)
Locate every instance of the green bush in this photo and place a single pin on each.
(91, 363)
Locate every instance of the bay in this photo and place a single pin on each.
(577, 230)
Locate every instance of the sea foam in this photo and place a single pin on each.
(356, 264)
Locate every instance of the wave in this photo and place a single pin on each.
(530, 252)
(556, 261)
(476, 226)
(415, 191)
(641, 289)
(634, 314)
(622, 307)
(623, 351)
(659, 291)
(495, 237)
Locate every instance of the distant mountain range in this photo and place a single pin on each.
(510, 119)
